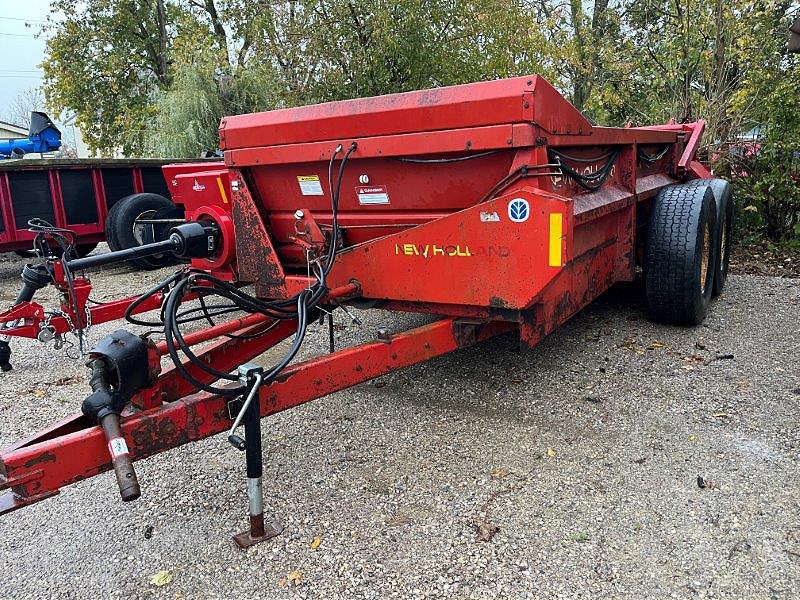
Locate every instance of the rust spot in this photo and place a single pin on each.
(156, 435)
(255, 255)
(45, 457)
(283, 376)
(359, 368)
(562, 309)
(465, 333)
(496, 302)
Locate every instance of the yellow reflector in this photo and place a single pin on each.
(556, 233)
(221, 187)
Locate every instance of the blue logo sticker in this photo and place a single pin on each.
(519, 210)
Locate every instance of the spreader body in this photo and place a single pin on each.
(496, 206)
(455, 200)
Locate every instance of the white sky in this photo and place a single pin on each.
(20, 51)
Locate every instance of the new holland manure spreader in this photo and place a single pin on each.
(496, 206)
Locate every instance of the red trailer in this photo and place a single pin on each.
(71, 193)
(496, 206)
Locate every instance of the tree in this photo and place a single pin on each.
(19, 111)
(107, 59)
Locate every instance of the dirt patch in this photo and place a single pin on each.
(765, 259)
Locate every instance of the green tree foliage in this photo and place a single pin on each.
(155, 76)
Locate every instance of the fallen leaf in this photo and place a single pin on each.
(486, 531)
(580, 536)
(39, 393)
(161, 578)
(295, 577)
(499, 473)
(551, 453)
(656, 346)
(315, 543)
(751, 208)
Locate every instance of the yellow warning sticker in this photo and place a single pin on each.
(310, 185)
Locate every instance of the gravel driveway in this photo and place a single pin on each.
(619, 459)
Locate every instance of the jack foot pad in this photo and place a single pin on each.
(256, 535)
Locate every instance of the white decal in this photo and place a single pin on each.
(489, 217)
(310, 185)
(376, 194)
(117, 447)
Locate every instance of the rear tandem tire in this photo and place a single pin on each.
(680, 254)
(121, 226)
(724, 225)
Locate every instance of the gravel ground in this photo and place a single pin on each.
(586, 453)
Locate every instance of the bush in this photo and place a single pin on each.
(767, 175)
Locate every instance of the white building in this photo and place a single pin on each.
(11, 131)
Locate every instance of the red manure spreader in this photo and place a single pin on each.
(495, 206)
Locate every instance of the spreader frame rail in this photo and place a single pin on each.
(73, 450)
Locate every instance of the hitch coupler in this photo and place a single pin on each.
(105, 406)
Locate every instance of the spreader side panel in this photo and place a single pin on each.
(500, 253)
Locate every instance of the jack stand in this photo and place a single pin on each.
(251, 376)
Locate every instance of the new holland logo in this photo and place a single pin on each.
(519, 210)
(198, 187)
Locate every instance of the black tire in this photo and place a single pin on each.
(722, 195)
(111, 238)
(122, 232)
(680, 254)
(84, 249)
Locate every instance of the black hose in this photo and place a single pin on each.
(191, 281)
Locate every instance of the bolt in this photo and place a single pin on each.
(384, 335)
(363, 178)
(298, 214)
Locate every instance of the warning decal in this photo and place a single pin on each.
(310, 185)
(373, 194)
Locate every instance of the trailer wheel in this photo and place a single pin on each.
(111, 237)
(722, 195)
(680, 254)
(123, 231)
(85, 249)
